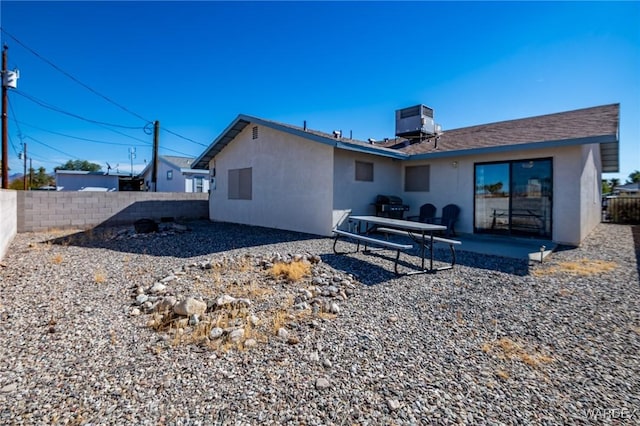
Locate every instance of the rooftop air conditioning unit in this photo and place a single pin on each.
(415, 122)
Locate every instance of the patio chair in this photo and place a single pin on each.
(449, 217)
(427, 214)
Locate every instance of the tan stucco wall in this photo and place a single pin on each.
(576, 189)
(292, 182)
(8, 218)
(357, 195)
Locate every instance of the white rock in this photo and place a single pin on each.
(225, 299)
(157, 288)
(283, 333)
(190, 306)
(236, 335)
(250, 343)
(322, 383)
(314, 357)
(168, 279)
(141, 298)
(215, 333)
(334, 308)
(254, 320)
(393, 404)
(166, 303)
(9, 388)
(135, 312)
(327, 363)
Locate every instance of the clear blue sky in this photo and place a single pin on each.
(196, 66)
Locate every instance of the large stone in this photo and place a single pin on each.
(225, 299)
(322, 383)
(166, 303)
(190, 306)
(157, 288)
(236, 335)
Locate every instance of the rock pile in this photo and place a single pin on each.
(243, 301)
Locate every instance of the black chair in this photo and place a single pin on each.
(427, 214)
(449, 217)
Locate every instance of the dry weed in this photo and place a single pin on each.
(99, 277)
(507, 349)
(57, 259)
(502, 374)
(293, 271)
(578, 267)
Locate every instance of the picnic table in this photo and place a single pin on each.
(421, 233)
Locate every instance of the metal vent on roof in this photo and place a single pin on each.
(255, 132)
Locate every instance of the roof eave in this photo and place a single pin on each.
(607, 140)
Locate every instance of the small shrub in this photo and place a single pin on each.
(507, 349)
(57, 259)
(99, 277)
(293, 271)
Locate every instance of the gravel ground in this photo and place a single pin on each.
(84, 340)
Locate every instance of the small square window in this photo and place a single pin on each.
(169, 174)
(416, 178)
(364, 171)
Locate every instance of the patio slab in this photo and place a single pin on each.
(517, 248)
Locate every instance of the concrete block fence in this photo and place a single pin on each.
(8, 218)
(44, 210)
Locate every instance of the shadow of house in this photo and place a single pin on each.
(203, 238)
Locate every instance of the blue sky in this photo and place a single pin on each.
(195, 66)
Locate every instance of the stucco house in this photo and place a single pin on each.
(538, 176)
(175, 174)
(80, 180)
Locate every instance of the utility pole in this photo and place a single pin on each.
(154, 176)
(24, 172)
(5, 146)
(132, 155)
(31, 173)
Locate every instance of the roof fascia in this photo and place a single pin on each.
(208, 153)
(517, 147)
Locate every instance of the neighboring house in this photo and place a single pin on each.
(537, 176)
(79, 180)
(176, 175)
(628, 190)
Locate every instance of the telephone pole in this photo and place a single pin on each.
(24, 173)
(154, 176)
(5, 147)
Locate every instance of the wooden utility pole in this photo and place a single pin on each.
(154, 176)
(24, 173)
(5, 146)
(31, 173)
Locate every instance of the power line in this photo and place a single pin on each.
(62, 111)
(78, 137)
(183, 137)
(50, 147)
(56, 67)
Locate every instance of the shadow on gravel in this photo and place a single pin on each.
(201, 238)
(635, 231)
(370, 273)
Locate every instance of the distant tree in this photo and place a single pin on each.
(614, 182)
(606, 187)
(493, 188)
(41, 178)
(17, 184)
(79, 165)
(634, 177)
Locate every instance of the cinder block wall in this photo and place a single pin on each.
(8, 219)
(44, 210)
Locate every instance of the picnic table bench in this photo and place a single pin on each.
(370, 241)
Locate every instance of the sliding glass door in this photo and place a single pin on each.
(514, 197)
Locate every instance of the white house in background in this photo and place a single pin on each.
(176, 175)
(537, 176)
(79, 180)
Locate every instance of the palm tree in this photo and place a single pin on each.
(634, 177)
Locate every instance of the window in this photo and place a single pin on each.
(197, 184)
(416, 178)
(240, 184)
(254, 133)
(169, 174)
(364, 171)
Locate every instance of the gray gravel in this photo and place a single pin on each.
(493, 341)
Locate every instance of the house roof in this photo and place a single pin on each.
(589, 125)
(243, 121)
(629, 187)
(178, 162)
(88, 173)
(584, 126)
(184, 164)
